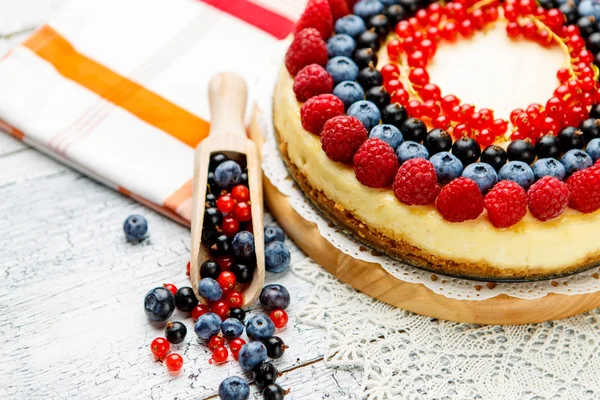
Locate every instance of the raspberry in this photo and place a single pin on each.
(375, 163)
(307, 48)
(339, 8)
(460, 200)
(317, 110)
(316, 15)
(341, 137)
(416, 183)
(584, 190)
(311, 81)
(548, 198)
(506, 204)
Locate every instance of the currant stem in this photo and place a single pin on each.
(480, 4)
(554, 37)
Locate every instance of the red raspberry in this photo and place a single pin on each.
(307, 48)
(584, 190)
(460, 200)
(506, 204)
(341, 137)
(316, 15)
(317, 110)
(311, 81)
(339, 8)
(548, 198)
(416, 183)
(375, 163)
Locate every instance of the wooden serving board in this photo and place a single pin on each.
(374, 280)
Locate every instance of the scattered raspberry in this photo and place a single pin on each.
(317, 110)
(341, 137)
(548, 198)
(416, 183)
(506, 204)
(460, 200)
(316, 15)
(339, 8)
(307, 48)
(375, 163)
(584, 190)
(312, 80)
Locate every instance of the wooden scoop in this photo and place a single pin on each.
(227, 96)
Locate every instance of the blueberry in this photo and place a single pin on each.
(251, 354)
(243, 244)
(274, 391)
(277, 257)
(467, 150)
(483, 174)
(519, 172)
(593, 149)
(227, 174)
(207, 325)
(447, 166)
(571, 138)
(264, 374)
(378, 96)
(589, 8)
(210, 289)
(394, 114)
(576, 160)
(341, 45)
(408, 150)
(365, 56)
(216, 159)
(366, 112)
(175, 332)
(369, 77)
(548, 146)
(260, 327)
(388, 133)
(342, 69)
(275, 297)
(349, 92)
(368, 8)
(275, 347)
(234, 388)
(243, 272)
(273, 233)
(159, 304)
(351, 25)
(521, 150)
(414, 129)
(495, 156)
(548, 167)
(238, 314)
(437, 140)
(389, 2)
(232, 328)
(185, 299)
(210, 269)
(135, 228)
(590, 128)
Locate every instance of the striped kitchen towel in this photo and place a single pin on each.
(118, 89)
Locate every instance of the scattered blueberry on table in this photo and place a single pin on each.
(234, 388)
(135, 228)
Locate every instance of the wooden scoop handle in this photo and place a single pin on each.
(227, 96)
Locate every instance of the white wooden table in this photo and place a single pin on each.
(71, 289)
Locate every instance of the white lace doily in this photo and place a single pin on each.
(275, 170)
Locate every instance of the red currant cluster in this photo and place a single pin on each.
(160, 347)
(235, 206)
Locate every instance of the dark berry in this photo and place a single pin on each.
(521, 150)
(548, 146)
(414, 129)
(175, 332)
(495, 156)
(368, 39)
(213, 217)
(264, 374)
(212, 184)
(380, 24)
(593, 42)
(244, 178)
(395, 13)
(394, 114)
(571, 138)
(587, 26)
(590, 128)
(569, 9)
(243, 272)
(548, 4)
(209, 235)
(364, 57)
(273, 392)
(467, 150)
(221, 245)
(238, 314)
(379, 96)
(436, 141)
(369, 77)
(211, 200)
(595, 111)
(275, 347)
(216, 159)
(159, 304)
(210, 269)
(410, 6)
(274, 297)
(185, 299)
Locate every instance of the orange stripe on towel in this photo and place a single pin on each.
(141, 102)
(180, 195)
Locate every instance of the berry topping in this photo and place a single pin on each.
(593, 149)
(517, 171)
(394, 114)
(447, 166)
(460, 200)
(414, 129)
(467, 150)
(584, 189)
(416, 183)
(366, 112)
(342, 69)
(437, 140)
(307, 48)
(341, 137)
(341, 45)
(494, 156)
(364, 57)
(548, 167)
(379, 96)
(351, 25)
(369, 77)
(339, 8)
(506, 204)
(548, 146)
(575, 160)
(521, 150)
(375, 163)
(409, 150)
(483, 174)
(368, 39)
(311, 81)
(349, 92)
(317, 110)
(548, 198)
(571, 138)
(590, 128)
(317, 15)
(388, 133)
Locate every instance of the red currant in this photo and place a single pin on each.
(242, 211)
(187, 268)
(389, 72)
(404, 29)
(401, 96)
(417, 59)
(477, 18)
(485, 137)
(513, 29)
(160, 347)
(449, 31)
(430, 92)
(510, 12)
(499, 127)
(393, 85)
(225, 203)
(575, 114)
(172, 288)
(174, 362)
(234, 299)
(235, 346)
(225, 262)
(230, 226)
(576, 43)
(394, 47)
(543, 37)
(554, 18)
(514, 114)
(226, 280)
(441, 122)
(548, 126)
(219, 355)
(448, 102)
(221, 309)
(430, 109)
(415, 108)
(199, 311)
(215, 342)
(461, 130)
(563, 75)
(240, 193)
(524, 122)
(427, 46)
(279, 318)
(585, 56)
(418, 76)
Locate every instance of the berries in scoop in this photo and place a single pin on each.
(160, 348)
(227, 174)
(210, 289)
(135, 228)
(260, 327)
(185, 299)
(243, 244)
(243, 272)
(175, 332)
(274, 297)
(234, 298)
(159, 304)
(210, 269)
(226, 280)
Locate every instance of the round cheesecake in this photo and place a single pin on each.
(419, 235)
